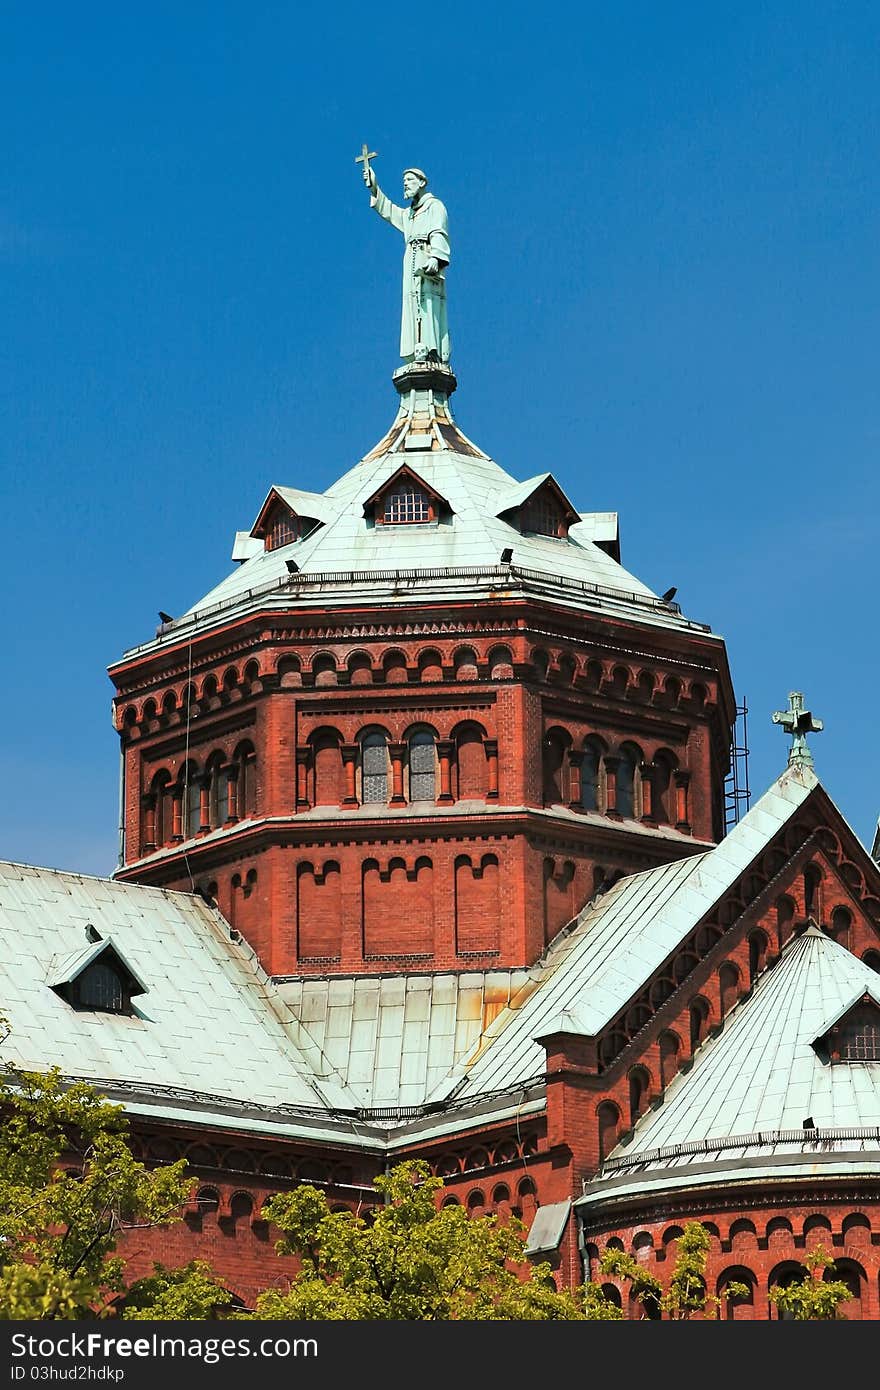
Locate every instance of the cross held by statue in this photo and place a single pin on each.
(365, 156)
(798, 722)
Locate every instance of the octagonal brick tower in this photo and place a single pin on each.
(424, 720)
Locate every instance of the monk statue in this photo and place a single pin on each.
(424, 329)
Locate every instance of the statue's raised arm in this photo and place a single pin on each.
(424, 328)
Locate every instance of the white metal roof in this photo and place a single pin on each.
(393, 1039)
(447, 557)
(592, 972)
(208, 1022)
(472, 537)
(743, 1104)
(213, 1037)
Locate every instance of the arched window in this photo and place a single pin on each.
(661, 809)
(669, 1048)
(247, 782)
(784, 919)
(543, 516)
(782, 1278)
(853, 1275)
(161, 809)
(421, 766)
(555, 768)
(627, 782)
(218, 795)
(812, 898)
(591, 777)
(190, 781)
(738, 1306)
(470, 762)
(728, 984)
(329, 789)
(100, 987)
(608, 1118)
(638, 1094)
(699, 1022)
(374, 768)
(405, 504)
(757, 954)
(841, 921)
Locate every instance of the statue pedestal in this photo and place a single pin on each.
(424, 376)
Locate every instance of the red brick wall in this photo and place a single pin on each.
(755, 1240)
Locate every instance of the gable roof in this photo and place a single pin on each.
(521, 493)
(869, 990)
(741, 1109)
(312, 505)
(68, 968)
(589, 974)
(374, 1059)
(407, 470)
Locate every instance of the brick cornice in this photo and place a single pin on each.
(344, 828)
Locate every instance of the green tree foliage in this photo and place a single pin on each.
(686, 1292)
(190, 1294)
(410, 1261)
(69, 1185)
(815, 1298)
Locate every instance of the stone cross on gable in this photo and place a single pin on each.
(798, 722)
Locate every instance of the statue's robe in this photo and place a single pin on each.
(425, 229)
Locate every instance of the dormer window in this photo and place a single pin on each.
(854, 1036)
(100, 987)
(537, 507)
(543, 516)
(287, 515)
(283, 528)
(859, 1036)
(405, 505)
(97, 978)
(405, 499)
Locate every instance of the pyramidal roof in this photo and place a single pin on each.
(345, 555)
(763, 1095)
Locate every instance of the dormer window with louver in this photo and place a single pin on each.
(96, 978)
(537, 507)
(288, 515)
(543, 516)
(283, 528)
(100, 987)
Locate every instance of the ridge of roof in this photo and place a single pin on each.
(593, 969)
(760, 1072)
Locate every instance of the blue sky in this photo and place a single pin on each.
(664, 289)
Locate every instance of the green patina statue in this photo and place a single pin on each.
(424, 328)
